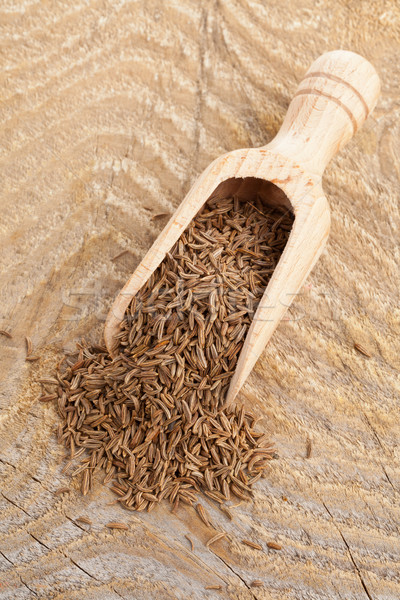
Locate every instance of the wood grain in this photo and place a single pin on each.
(109, 111)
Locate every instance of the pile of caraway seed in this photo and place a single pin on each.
(154, 418)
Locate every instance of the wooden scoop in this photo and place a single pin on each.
(335, 97)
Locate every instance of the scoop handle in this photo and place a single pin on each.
(337, 94)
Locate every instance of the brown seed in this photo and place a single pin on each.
(217, 496)
(215, 538)
(252, 544)
(190, 541)
(6, 333)
(236, 505)
(274, 546)
(213, 587)
(32, 358)
(48, 381)
(62, 490)
(201, 511)
(85, 487)
(77, 365)
(159, 216)
(256, 583)
(120, 255)
(175, 504)
(83, 519)
(308, 448)
(28, 345)
(116, 525)
(362, 350)
(239, 492)
(48, 397)
(226, 510)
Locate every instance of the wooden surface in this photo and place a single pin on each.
(109, 112)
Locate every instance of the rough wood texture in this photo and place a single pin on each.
(109, 112)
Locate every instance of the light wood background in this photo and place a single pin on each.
(109, 111)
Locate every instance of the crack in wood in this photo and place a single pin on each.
(81, 568)
(19, 576)
(118, 594)
(39, 541)
(191, 555)
(232, 570)
(356, 567)
(27, 586)
(378, 439)
(388, 478)
(7, 559)
(5, 462)
(15, 504)
(75, 523)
